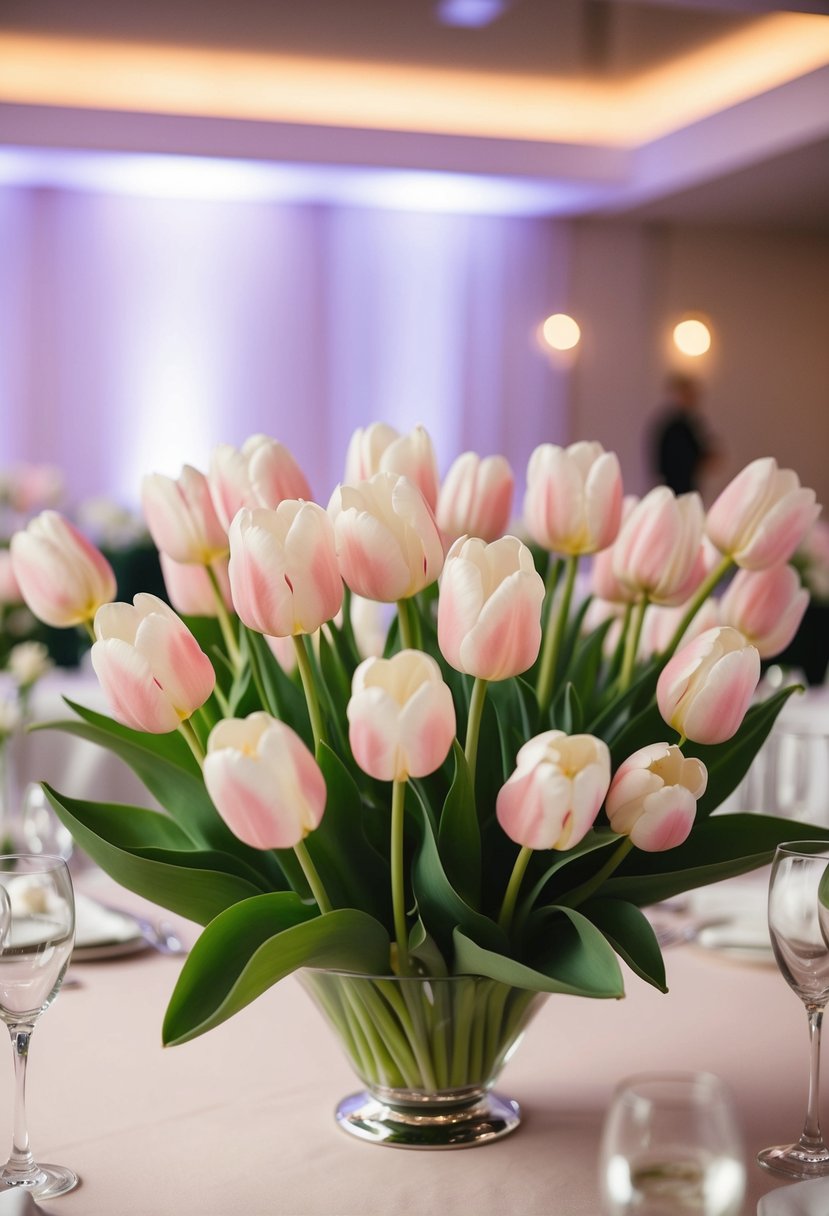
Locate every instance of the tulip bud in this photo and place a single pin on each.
(62, 577)
(152, 670)
(388, 543)
(476, 497)
(660, 625)
(653, 797)
(401, 716)
(370, 624)
(489, 608)
(573, 503)
(659, 549)
(27, 663)
(9, 587)
(181, 518)
(190, 590)
(379, 448)
(603, 582)
(262, 474)
(706, 688)
(264, 782)
(762, 515)
(766, 606)
(554, 795)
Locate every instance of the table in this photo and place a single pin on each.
(240, 1121)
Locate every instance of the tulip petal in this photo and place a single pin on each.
(128, 685)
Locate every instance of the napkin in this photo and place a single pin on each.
(16, 1201)
(96, 925)
(733, 916)
(802, 1199)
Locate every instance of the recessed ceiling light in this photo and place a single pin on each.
(561, 332)
(692, 337)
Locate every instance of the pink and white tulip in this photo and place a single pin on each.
(603, 581)
(62, 577)
(489, 608)
(181, 518)
(152, 670)
(762, 515)
(190, 590)
(706, 688)
(261, 474)
(284, 576)
(573, 503)
(659, 550)
(554, 795)
(9, 587)
(264, 782)
(379, 448)
(476, 497)
(766, 606)
(653, 797)
(660, 625)
(401, 716)
(387, 541)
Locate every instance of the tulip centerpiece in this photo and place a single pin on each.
(440, 817)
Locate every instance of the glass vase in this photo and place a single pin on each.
(428, 1051)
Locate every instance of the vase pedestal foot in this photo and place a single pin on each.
(371, 1118)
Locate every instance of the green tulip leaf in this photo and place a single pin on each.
(459, 836)
(251, 946)
(631, 935)
(545, 865)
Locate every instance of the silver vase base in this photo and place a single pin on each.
(795, 1161)
(488, 1118)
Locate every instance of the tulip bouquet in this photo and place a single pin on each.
(481, 784)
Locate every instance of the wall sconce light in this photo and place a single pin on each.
(692, 337)
(560, 331)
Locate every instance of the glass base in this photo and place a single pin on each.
(46, 1182)
(488, 1118)
(795, 1161)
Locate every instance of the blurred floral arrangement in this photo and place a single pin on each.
(480, 784)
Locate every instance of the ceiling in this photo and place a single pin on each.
(710, 112)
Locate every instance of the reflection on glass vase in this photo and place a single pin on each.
(428, 1051)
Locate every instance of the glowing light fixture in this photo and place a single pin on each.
(561, 332)
(692, 337)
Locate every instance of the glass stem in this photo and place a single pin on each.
(21, 1164)
(811, 1137)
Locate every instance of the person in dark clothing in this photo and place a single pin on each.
(680, 443)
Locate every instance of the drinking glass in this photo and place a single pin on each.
(803, 957)
(42, 831)
(671, 1145)
(33, 958)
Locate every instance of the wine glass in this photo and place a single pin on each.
(803, 957)
(42, 831)
(671, 1144)
(33, 958)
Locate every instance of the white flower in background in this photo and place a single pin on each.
(28, 662)
(10, 717)
(112, 525)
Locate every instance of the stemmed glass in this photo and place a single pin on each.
(803, 957)
(33, 958)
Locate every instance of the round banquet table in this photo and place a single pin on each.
(240, 1120)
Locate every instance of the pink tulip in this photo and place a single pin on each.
(261, 474)
(9, 586)
(653, 797)
(706, 688)
(401, 716)
(181, 517)
(659, 550)
(264, 782)
(62, 577)
(554, 795)
(660, 625)
(476, 497)
(152, 670)
(603, 582)
(284, 651)
(489, 609)
(190, 590)
(388, 543)
(379, 448)
(35, 486)
(762, 515)
(766, 606)
(284, 576)
(574, 497)
(370, 625)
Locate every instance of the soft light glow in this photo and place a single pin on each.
(561, 332)
(692, 337)
(470, 14)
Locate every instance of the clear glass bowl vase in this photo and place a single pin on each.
(428, 1051)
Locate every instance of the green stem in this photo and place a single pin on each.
(191, 738)
(554, 636)
(306, 674)
(90, 629)
(314, 881)
(682, 740)
(634, 633)
(473, 726)
(256, 675)
(224, 620)
(705, 588)
(398, 889)
(554, 569)
(580, 894)
(407, 632)
(513, 887)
